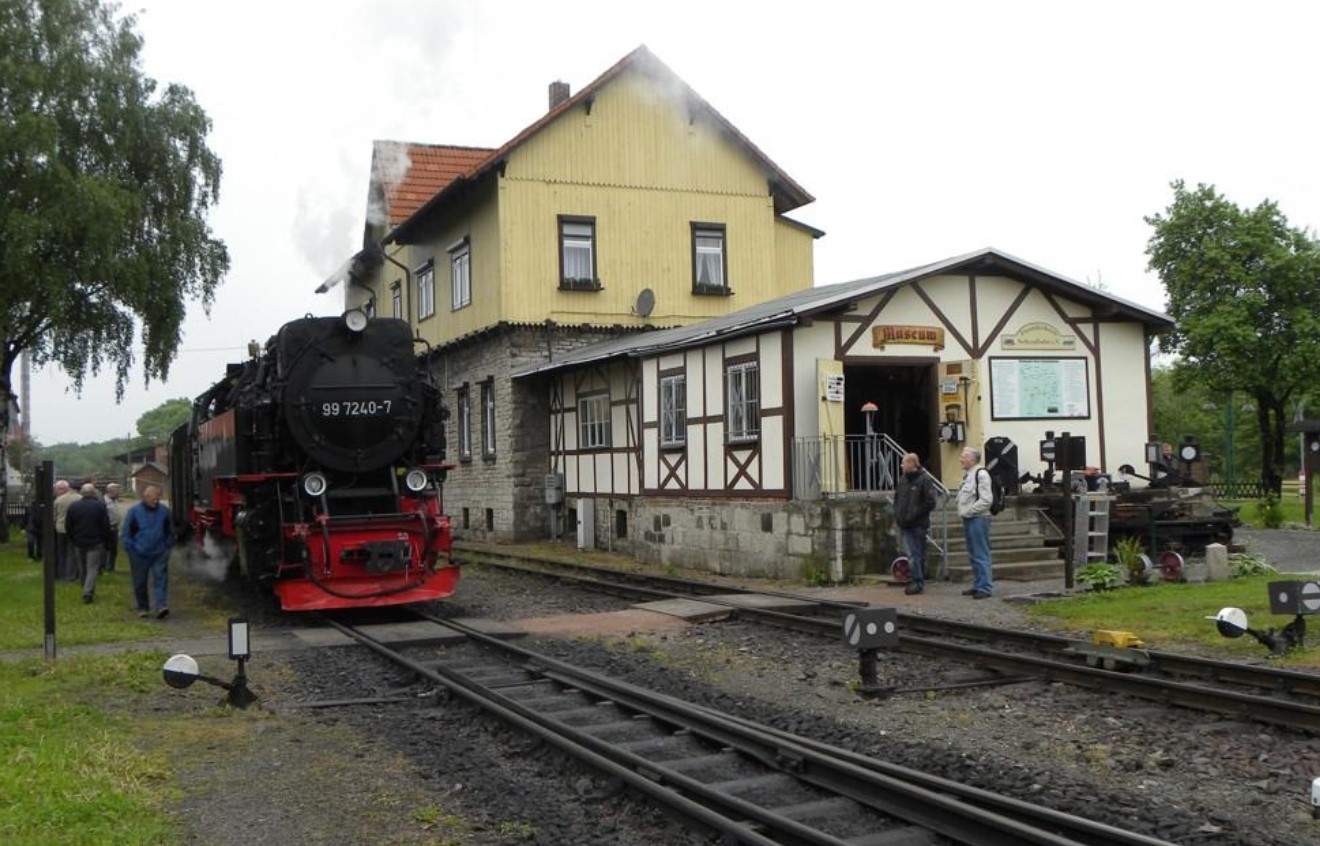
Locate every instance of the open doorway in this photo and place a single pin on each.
(906, 399)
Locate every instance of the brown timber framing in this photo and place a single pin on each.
(970, 349)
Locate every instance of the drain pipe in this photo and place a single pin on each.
(836, 565)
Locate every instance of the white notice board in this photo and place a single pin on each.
(1039, 389)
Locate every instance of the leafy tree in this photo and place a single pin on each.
(156, 425)
(1242, 288)
(1185, 406)
(106, 190)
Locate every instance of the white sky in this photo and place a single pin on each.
(1047, 130)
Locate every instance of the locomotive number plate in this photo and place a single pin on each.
(354, 408)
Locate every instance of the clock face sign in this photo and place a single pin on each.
(1188, 452)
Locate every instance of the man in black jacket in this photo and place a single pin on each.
(914, 500)
(88, 526)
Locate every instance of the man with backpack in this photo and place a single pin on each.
(914, 499)
(975, 497)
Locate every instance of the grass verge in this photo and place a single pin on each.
(69, 771)
(1171, 616)
(111, 618)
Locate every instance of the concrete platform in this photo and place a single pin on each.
(419, 633)
(699, 611)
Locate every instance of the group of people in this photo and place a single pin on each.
(89, 528)
(914, 500)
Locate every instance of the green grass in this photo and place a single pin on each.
(1170, 616)
(69, 772)
(111, 618)
(1293, 507)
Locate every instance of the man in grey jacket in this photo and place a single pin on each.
(974, 498)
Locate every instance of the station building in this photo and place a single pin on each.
(634, 352)
(764, 440)
(629, 206)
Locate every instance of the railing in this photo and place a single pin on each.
(1236, 489)
(844, 466)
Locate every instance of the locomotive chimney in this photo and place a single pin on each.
(559, 92)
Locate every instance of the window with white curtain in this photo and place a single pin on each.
(460, 274)
(709, 261)
(673, 410)
(488, 418)
(594, 421)
(577, 253)
(426, 291)
(396, 300)
(464, 423)
(743, 401)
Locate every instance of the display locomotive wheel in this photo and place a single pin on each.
(1171, 566)
(901, 569)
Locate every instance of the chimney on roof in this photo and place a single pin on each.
(559, 92)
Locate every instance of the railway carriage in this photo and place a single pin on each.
(322, 459)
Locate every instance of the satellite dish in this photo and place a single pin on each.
(645, 302)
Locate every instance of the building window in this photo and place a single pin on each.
(594, 421)
(673, 410)
(577, 254)
(396, 300)
(743, 397)
(488, 418)
(370, 308)
(710, 264)
(460, 273)
(425, 291)
(464, 424)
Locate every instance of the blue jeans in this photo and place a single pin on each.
(158, 569)
(977, 532)
(914, 541)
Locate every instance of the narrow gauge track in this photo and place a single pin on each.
(1273, 700)
(749, 783)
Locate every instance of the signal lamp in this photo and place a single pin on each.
(416, 480)
(314, 484)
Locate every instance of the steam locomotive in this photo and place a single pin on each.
(321, 460)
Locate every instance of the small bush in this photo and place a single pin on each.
(1100, 576)
(815, 570)
(1242, 565)
(1127, 553)
(1269, 512)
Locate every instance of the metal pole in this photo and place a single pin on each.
(1069, 526)
(45, 484)
(1231, 469)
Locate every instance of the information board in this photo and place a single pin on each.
(1039, 388)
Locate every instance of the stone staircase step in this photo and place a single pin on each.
(957, 543)
(1004, 556)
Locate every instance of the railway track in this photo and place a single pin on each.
(749, 783)
(1264, 694)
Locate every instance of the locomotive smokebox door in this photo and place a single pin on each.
(871, 628)
(1288, 598)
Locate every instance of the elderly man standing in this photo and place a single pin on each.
(89, 531)
(974, 498)
(148, 536)
(115, 509)
(65, 567)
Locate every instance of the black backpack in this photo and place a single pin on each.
(996, 493)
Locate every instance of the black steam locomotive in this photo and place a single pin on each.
(321, 459)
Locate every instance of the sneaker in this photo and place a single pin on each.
(162, 613)
(911, 589)
(143, 613)
(980, 594)
(969, 592)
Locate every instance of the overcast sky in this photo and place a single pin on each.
(1048, 130)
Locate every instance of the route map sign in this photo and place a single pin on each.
(1039, 389)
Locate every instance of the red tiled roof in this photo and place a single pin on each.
(430, 167)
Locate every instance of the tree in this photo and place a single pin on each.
(107, 186)
(1242, 288)
(156, 425)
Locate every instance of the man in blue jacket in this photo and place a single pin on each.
(148, 534)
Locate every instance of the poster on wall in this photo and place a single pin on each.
(1039, 389)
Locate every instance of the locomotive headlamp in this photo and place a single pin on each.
(314, 484)
(416, 480)
(355, 319)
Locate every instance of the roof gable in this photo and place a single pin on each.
(792, 308)
(473, 163)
